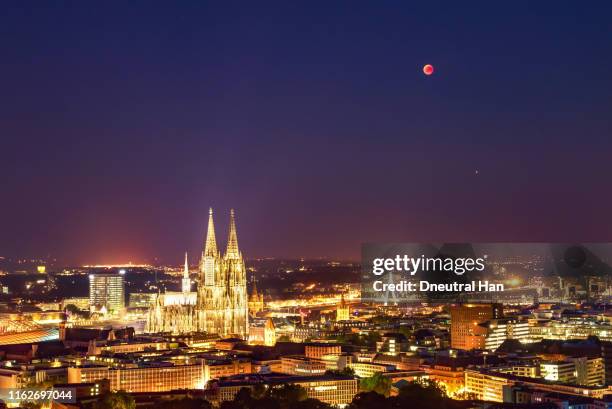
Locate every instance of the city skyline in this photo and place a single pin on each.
(317, 205)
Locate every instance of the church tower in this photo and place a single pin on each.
(256, 302)
(233, 264)
(186, 281)
(222, 299)
(209, 263)
(343, 310)
(211, 288)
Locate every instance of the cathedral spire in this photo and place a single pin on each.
(186, 269)
(232, 251)
(210, 249)
(254, 293)
(186, 282)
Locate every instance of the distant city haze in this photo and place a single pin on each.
(121, 127)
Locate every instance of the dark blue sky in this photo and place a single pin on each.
(120, 124)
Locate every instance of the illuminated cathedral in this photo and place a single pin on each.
(220, 305)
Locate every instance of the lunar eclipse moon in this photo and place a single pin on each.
(428, 69)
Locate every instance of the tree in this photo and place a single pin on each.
(242, 400)
(266, 403)
(405, 331)
(465, 396)
(425, 394)
(371, 338)
(311, 404)
(376, 383)
(346, 371)
(115, 400)
(426, 386)
(259, 391)
(369, 400)
(422, 394)
(288, 394)
(185, 403)
(73, 309)
(367, 340)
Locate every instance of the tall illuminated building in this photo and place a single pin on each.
(466, 329)
(107, 292)
(222, 304)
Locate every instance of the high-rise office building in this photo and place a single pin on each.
(107, 292)
(466, 329)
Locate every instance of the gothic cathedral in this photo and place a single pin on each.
(220, 305)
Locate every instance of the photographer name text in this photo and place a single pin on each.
(425, 286)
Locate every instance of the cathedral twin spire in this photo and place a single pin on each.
(232, 251)
(222, 302)
(210, 247)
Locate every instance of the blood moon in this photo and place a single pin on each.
(428, 69)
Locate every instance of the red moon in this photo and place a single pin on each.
(428, 69)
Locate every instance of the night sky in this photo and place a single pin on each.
(120, 124)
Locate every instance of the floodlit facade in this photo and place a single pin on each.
(152, 378)
(466, 331)
(301, 365)
(262, 332)
(491, 386)
(318, 350)
(574, 329)
(580, 371)
(142, 300)
(558, 371)
(220, 304)
(343, 312)
(486, 386)
(499, 330)
(220, 370)
(367, 369)
(256, 301)
(333, 390)
(452, 379)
